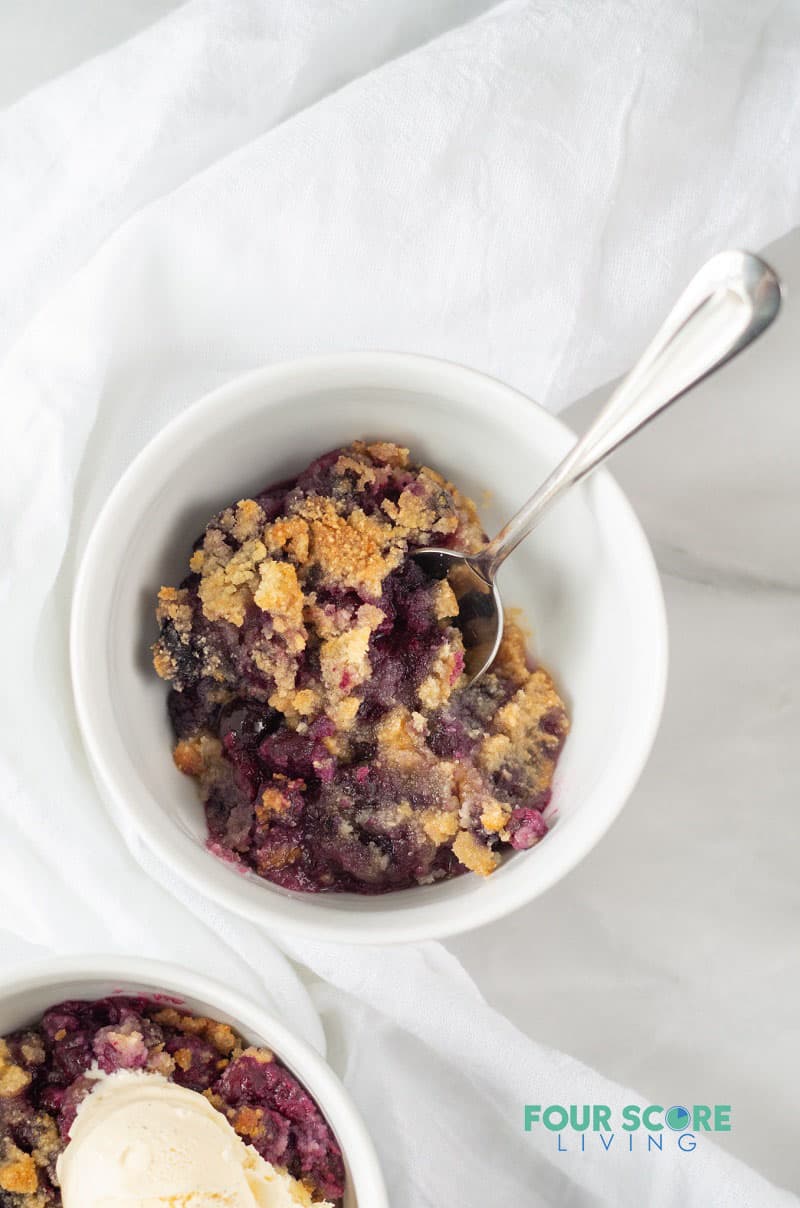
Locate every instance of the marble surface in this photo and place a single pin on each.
(669, 958)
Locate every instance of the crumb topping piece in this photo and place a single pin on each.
(13, 1078)
(17, 1170)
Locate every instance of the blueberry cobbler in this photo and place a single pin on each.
(318, 693)
(126, 1101)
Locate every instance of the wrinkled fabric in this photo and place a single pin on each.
(521, 187)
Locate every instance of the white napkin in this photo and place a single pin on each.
(522, 187)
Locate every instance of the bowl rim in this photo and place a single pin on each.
(311, 919)
(308, 1065)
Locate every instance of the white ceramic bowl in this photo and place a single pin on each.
(585, 580)
(24, 999)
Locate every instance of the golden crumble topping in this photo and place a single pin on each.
(518, 730)
(475, 855)
(318, 687)
(494, 816)
(273, 803)
(17, 1170)
(280, 594)
(438, 687)
(13, 1078)
(355, 551)
(291, 536)
(444, 601)
(384, 452)
(440, 825)
(200, 756)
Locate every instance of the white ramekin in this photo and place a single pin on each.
(585, 580)
(25, 997)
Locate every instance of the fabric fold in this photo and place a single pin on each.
(521, 187)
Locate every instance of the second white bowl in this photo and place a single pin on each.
(25, 997)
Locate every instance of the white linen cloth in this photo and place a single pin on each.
(522, 187)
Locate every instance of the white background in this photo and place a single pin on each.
(703, 860)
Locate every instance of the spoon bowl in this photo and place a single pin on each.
(480, 608)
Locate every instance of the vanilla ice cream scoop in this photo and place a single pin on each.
(140, 1141)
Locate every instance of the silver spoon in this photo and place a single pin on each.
(733, 298)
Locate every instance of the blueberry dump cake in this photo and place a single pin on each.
(98, 1098)
(317, 689)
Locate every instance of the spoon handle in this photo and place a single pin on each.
(733, 298)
